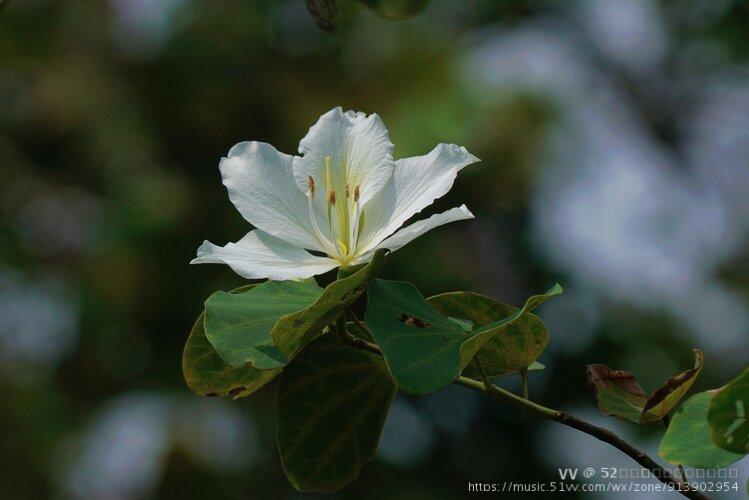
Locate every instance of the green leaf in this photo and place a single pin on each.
(294, 331)
(728, 415)
(425, 350)
(242, 338)
(619, 394)
(238, 325)
(687, 441)
(207, 375)
(515, 350)
(333, 401)
(396, 9)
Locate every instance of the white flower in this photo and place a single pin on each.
(343, 197)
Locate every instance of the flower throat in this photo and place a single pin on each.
(344, 218)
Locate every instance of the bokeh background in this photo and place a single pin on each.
(615, 143)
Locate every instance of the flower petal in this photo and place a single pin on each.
(261, 185)
(413, 231)
(415, 184)
(261, 255)
(360, 154)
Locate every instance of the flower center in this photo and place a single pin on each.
(344, 219)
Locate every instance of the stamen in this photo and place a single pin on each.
(330, 248)
(311, 187)
(347, 192)
(356, 193)
(333, 216)
(328, 169)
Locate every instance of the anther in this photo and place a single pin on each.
(331, 198)
(311, 186)
(356, 193)
(347, 192)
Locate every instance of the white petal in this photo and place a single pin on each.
(360, 150)
(261, 255)
(260, 181)
(413, 231)
(415, 184)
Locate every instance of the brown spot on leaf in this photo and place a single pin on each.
(617, 392)
(413, 321)
(619, 378)
(237, 390)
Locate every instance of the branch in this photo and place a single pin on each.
(355, 341)
(563, 418)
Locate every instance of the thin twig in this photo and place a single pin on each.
(357, 342)
(358, 323)
(524, 378)
(564, 418)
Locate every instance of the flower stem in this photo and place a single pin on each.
(561, 417)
